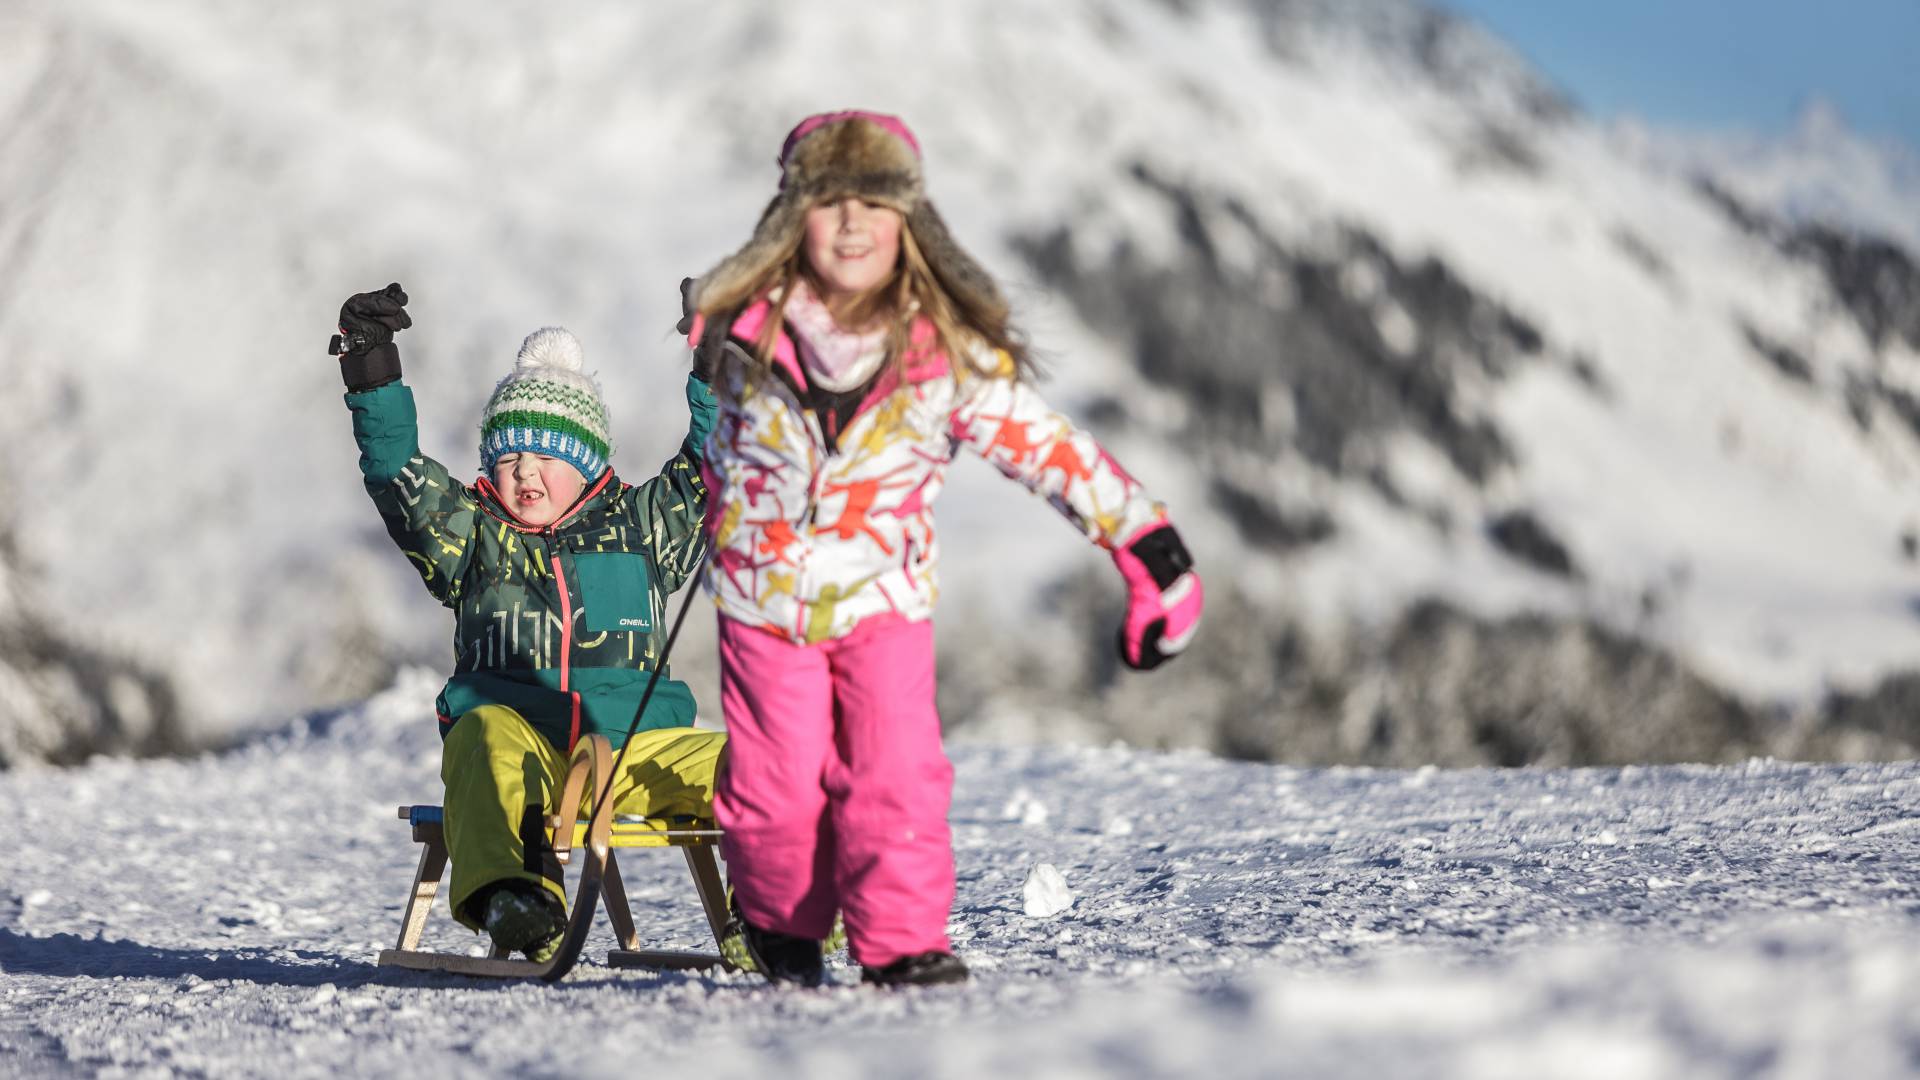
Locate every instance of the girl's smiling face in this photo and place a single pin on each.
(852, 246)
(535, 487)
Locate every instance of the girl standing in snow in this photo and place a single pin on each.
(858, 350)
(557, 574)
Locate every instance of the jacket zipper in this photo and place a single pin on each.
(566, 641)
(818, 467)
(552, 535)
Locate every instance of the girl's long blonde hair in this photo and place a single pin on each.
(968, 331)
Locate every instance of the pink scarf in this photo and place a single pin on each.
(836, 360)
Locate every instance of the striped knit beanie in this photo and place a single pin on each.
(548, 405)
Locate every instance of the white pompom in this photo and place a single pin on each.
(551, 347)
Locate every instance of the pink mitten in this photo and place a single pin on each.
(1163, 598)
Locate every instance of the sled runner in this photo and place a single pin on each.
(591, 769)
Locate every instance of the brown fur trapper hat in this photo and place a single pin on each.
(828, 157)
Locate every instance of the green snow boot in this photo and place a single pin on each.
(521, 919)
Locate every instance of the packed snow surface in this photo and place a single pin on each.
(220, 916)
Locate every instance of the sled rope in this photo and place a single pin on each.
(694, 584)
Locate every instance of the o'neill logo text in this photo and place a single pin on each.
(639, 623)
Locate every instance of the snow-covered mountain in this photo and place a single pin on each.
(1820, 170)
(1498, 436)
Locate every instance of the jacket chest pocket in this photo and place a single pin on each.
(616, 591)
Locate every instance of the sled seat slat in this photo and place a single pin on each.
(629, 830)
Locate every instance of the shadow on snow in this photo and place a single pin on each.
(71, 955)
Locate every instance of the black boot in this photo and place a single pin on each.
(920, 969)
(782, 958)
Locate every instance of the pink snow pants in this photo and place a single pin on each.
(835, 790)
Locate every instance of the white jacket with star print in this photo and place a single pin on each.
(812, 534)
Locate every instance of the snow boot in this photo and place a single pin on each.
(733, 938)
(782, 958)
(523, 919)
(920, 969)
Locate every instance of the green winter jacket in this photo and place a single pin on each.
(561, 624)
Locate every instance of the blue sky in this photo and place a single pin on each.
(1718, 64)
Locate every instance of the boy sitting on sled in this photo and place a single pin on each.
(557, 573)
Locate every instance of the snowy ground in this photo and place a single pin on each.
(220, 916)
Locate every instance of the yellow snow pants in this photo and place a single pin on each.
(503, 777)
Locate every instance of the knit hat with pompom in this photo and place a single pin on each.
(548, 405)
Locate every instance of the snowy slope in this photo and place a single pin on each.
(1346, 265)
(1821, 170)
(220, 915)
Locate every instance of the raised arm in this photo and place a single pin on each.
(1005, 421)
(430, 517)
(670, 508)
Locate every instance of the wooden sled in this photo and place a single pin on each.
(590, 770)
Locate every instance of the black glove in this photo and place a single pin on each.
(368, 321)
(706, 352)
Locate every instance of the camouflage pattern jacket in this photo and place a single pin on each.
(563, 624)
